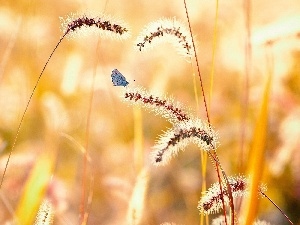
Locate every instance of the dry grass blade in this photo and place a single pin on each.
(35, 188)
(256, 158)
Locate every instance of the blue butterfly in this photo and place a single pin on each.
(118, 79)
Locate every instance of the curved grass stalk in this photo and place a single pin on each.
(106, 26)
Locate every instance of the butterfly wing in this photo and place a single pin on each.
(118, 79)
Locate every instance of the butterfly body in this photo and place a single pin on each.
(118, 79)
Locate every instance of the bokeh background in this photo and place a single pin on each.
(56, 121)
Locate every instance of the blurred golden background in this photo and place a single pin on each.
(56, 122)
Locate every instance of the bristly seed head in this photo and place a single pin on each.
(176, 139)
(45, 213)
(220, 220)
(186, 128)
(102, 25)
(166, 107)
(168, 30)
(211, 201)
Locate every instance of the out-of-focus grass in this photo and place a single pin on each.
(256, 157)
(174, 190)
(35, 188)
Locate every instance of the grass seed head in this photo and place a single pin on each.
(166, 107)
(45, 213)
(166, 30)
(211, 201)
(177, 138)
(81, 25)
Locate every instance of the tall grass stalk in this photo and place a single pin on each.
(204, 156)
(207, 114)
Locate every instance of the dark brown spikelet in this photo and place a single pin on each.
(166, 30)
(102, 25)
(166, 107)
(211, 201)
(177, 138)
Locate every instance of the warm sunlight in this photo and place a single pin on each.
(150, 112)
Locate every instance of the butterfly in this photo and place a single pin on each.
(118, 79)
